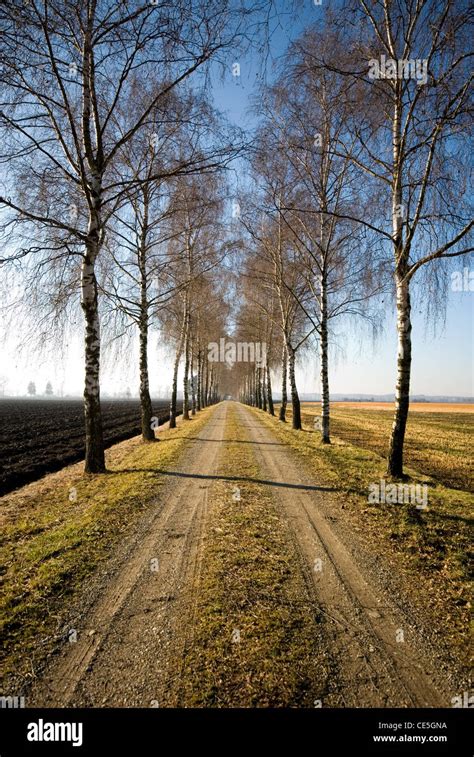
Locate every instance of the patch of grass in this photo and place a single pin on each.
(58, 530)
(437, 444)
(434, 545)
(257, 640)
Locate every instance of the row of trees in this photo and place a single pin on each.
(32, 389)
(360, 188)
(114, 184)
(108, 145)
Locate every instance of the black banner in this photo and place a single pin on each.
(154, 731)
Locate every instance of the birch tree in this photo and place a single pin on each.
(305, 113)
(282, 273)
(139, 281)
(194, 220)
(131, 275)
(79, 80)
(412, 107)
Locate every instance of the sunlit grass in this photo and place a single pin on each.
(438, 444)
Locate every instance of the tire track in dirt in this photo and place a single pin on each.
(373, 668)
(127, 648)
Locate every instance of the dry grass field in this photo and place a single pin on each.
(439, 441)
(415, 407)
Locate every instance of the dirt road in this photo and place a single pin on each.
(129, 648)
(377, 663)
(119, 654)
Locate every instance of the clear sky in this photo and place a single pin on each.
(442, 362)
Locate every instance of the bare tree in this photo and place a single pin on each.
(194, 220)
(280, 271)
(306, 111)
(137, 275)
(411, 87)
(79, 81)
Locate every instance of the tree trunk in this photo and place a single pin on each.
(94, 453)
(193, 388)
(264, 389)
(206, 383)
(199, 379)
(271, 409)
(295, 400)
(186, 372)
(174, 390)
(210, 386)
(402, 394)
(258, 400)
(148, 434)
(284, 396)
(94, 457)
(324, 377)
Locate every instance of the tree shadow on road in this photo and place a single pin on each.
(230, 441)
(205, 477)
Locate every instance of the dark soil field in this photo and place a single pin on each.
(41, 436)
